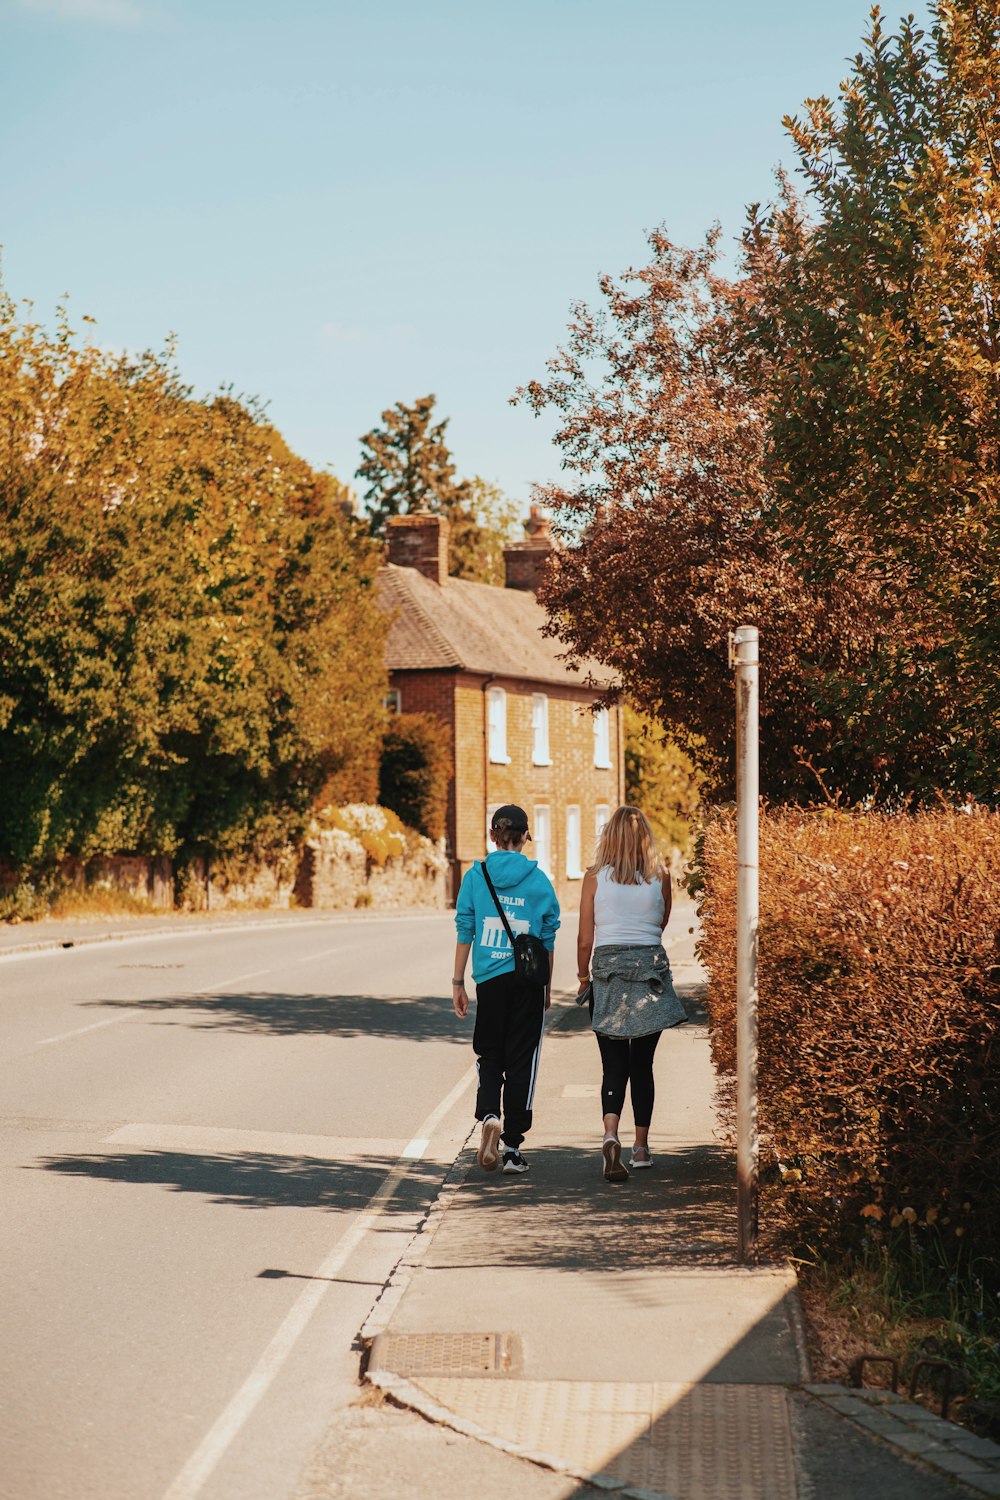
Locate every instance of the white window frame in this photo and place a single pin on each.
(496, 719)
(543, 819)
(602, 739)
(602, 812)
(540, 730)
(393, 701)
(574, 842)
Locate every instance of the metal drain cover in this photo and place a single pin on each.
(446, 1353)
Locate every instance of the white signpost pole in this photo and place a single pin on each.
(743, 656)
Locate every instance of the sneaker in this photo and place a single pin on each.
(615, 1169)
(513, 1161)
(488, 1154)
(640, 1159)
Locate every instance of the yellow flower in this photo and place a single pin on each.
(959, 1231)
(896, 1220)
(931, 1215)
(871, 1211)
(910, 1215)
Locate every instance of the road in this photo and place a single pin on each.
(215, 1147)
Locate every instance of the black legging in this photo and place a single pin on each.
(628, 1061)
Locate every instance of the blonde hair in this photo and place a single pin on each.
(627, 846)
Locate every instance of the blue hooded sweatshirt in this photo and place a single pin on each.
(528, 898)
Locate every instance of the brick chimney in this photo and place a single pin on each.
(419, 540)
(524, 561)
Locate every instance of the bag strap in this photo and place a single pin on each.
(496, 902)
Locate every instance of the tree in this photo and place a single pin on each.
(190, 647)
(663, 547)
(874, 338)
(811, 447)
(408, 466)
(661, 780)
(479, 533)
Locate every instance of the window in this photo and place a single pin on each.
(491, 809)
(496, 708)
(393, 701)
(602, 813)
(540, 730)
(542, 834)
(573, 870)
(602, 739)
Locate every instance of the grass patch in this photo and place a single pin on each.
(875, 1306)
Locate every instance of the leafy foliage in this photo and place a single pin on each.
(879, 1090)
(661, 780)
(408, 467)
(190, 647)
(812, 447)
(415, 772)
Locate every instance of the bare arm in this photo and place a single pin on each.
(666, 886)
(459, 996)
(585, 935)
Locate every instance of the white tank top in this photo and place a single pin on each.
(627, 913)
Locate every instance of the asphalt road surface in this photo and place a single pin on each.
(215, 1147)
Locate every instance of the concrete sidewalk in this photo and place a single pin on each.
(606, 1332)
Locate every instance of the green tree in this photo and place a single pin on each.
(660, 779)
(407, 466)
(812, 446)
(190, 648)
(479, 533)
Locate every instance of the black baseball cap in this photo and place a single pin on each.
(512, 817)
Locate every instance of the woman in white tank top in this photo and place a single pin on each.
(624, 907)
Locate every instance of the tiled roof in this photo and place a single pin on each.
(473, 626)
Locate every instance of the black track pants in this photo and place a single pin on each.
(628, 1062)
(507, 1041)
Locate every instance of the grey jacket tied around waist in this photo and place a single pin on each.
(633, 992)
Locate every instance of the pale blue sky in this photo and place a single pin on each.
(336, 205)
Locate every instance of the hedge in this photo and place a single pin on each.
(879, 1063)
(415, 771)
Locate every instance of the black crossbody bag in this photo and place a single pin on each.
(531, 957)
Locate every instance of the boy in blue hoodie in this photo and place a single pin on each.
(509, 1015)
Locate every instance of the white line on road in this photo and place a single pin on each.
(200, 1466)
(209, 989)
(125, 1015)
(416, 1148)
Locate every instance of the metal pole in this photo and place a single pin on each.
(743, 655)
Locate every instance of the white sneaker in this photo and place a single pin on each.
(640, 1163)
(488, 1154)
(513, 1161)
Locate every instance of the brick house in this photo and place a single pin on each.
(521, 722)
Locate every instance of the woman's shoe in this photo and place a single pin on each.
(615, 1169)
(640, 1159)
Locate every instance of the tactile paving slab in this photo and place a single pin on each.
(446, 1354)
(688, 1442)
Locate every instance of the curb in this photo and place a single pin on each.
(51, 945)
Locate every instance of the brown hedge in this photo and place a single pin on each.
(879, 972)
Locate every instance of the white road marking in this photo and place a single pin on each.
(202, 1463)
(212, 1138)
(415, 1149)
(209, 989)
(125, 1015)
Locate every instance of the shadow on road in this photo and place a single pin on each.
(257, 1179)
(561, 1215)
(415, 1018)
